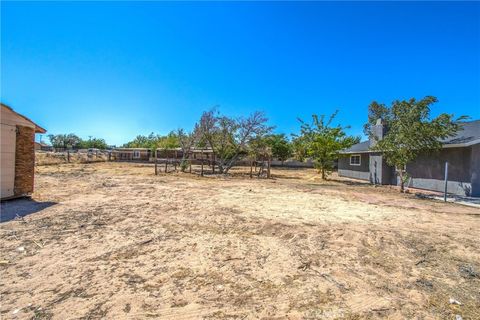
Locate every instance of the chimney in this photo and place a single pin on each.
(378, 131)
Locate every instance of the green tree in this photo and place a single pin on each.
(259, 148)
(299, 149)
(376, 111)
(279, 146)
(140, 141)
(96, 143)
(65, 141)
(169, 141)
(323, 141)
(412, 132)
(154, 141)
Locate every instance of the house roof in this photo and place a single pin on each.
(193, 150)
(42, 144)
(361, 147)
(38, 129)
(468, 135)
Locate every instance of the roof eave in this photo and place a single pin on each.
(355, 152)
(39, 129)
(460, 145)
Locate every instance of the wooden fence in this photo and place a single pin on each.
(43, 158)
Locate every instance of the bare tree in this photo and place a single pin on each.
(187, 140)
(229, 137)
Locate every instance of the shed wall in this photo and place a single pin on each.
(7, 160)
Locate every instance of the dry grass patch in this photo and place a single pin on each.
(118, 242)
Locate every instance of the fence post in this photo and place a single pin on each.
(446, 182)
(201, 173)
(213, 162)
(268, 169)
(156, 169)
(251, 169)
(166, 163)
(190, 161)
(68, 156)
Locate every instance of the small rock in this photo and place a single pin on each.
(458, 317)
(453, 301)
(467, 271)
(21, 249)
(16, 311)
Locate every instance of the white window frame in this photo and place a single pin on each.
(359, 160)
(136, 154)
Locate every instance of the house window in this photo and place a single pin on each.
(136, 154)
(355, 160)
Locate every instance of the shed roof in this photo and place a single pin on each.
(38, 129)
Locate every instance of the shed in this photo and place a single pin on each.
(17, 153)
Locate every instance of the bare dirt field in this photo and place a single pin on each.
(114, 241)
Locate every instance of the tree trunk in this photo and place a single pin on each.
(323, 173)
(230, 164)
(185, 160)
(402, 186)
(182, 163)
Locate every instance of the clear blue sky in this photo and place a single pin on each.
(118, 69)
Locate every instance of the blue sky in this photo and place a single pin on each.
(118, 69)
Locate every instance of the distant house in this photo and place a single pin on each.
(462, 152)
(145, 154)
(40, 146)
(198, 154)
(17, 153)
(131, 154)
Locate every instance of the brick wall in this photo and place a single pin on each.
(24, 160)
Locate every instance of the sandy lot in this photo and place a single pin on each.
(111, 240)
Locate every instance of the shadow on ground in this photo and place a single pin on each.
(21, 207)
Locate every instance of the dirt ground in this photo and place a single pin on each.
(114, 241)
